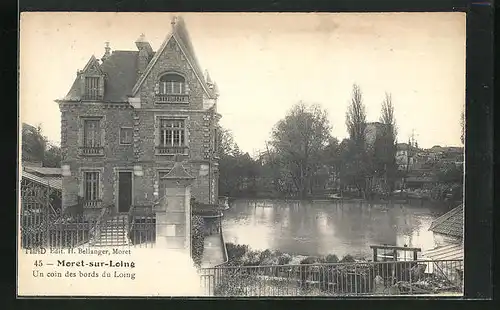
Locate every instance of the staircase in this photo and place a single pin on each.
(113, 231)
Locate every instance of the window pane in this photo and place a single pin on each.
(91, 132)
(126, 135)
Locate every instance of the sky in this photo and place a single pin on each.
(264, 63)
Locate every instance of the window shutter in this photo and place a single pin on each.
(157, 88)
(186, 88)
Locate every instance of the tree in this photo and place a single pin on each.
(33, 143)
(36, 148)
(356, 165)
(385, 144)
(298, 140)
(356, 117)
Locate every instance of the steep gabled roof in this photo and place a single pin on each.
(450, 223)
(120, 69)
(180, 35)
(121, 75)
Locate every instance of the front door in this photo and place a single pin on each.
(124, 191)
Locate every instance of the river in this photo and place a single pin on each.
(322, 228)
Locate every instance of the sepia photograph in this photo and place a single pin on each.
(241, 154)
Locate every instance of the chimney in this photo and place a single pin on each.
(107, 51)
(145, 53)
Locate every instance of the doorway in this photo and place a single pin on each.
(124, 191)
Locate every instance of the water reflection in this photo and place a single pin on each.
(321, 228)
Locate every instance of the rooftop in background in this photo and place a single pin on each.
(450, 223)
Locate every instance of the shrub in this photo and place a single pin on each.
(331, 258)
(309, 260)
(236, 252)
(197, 238)
(284, 259)
(265, 255)
(347, 259)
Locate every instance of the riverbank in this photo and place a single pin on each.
(243, 255)
(396, 199)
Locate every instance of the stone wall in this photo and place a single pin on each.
(200, 126)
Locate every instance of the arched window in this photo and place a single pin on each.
(172, 84)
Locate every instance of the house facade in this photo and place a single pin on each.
(129, 117)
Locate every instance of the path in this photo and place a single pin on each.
(213, 252)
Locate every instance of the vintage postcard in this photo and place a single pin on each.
(241, 154)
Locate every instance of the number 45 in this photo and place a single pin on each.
(38, 263)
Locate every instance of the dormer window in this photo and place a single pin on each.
(172, 88)
(91, 88)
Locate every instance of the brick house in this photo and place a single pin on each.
(128, 115)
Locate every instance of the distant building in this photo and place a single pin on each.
(405, 156)
(372, 131)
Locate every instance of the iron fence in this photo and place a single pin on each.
(340, 279)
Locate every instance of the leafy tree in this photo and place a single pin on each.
(33, 143)
(298, 140)
(36, 148)
(385, 144)
(356, 164)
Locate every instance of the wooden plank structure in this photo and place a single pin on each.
(394, 250)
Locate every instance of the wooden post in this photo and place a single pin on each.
(415, 256)
(374, 254)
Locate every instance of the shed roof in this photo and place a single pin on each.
(450, 223)
(44, 171)
(52, 182)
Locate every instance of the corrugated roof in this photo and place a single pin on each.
(44, 170)
(450, 223)
(447, 252)
(52, 182)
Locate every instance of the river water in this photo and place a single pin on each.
(322, 228)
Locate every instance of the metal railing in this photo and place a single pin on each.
(141, 226)
(171, 150)
(95, 230)
(92, 150)
(171, 98)
(340, 279)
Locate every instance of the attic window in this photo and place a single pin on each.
(91, 88)
(172, 84)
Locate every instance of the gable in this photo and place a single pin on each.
(178, 36)
(92, 67)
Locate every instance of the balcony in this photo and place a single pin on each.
(91, 151)
(92, 204)
(172, 99)
(172, 150)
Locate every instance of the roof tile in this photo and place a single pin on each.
(450, 223)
